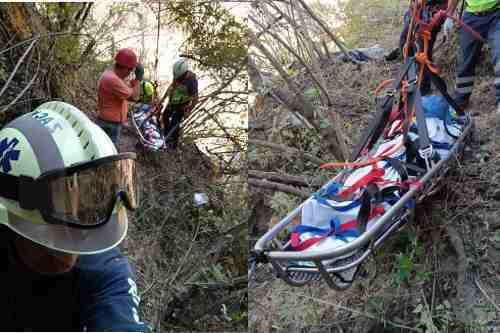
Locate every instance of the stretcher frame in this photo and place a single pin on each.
(361, 247)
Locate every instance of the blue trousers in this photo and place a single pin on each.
(488, 26)
(172, 118)
(113, 130)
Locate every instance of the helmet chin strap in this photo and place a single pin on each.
(41, 259)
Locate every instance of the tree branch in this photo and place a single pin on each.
(278, 187)
(282, 178)
(325, 28)
(286, 149)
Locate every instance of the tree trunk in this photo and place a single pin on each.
(328, 31)
(23, 21)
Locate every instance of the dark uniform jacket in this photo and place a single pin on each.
(99, 294)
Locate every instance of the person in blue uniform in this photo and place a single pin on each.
(64, 196)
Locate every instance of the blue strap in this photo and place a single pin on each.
(335, 229)
(441, 145)
(331, 189)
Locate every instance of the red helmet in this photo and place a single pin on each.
(126, 58)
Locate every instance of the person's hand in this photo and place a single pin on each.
(188, 110)
(139, 72)
(448, 27)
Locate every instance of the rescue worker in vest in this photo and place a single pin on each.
(483, 17)
(183, 96)
(63, 202)
(428, 12)
(145, 115)
(114, 92)
(146, 92)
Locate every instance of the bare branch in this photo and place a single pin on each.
(283, 178)
(289, 150)
(328, 31)
(278, 187)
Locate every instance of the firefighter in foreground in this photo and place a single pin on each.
(183, 96)
(63, 202)
(114, 92)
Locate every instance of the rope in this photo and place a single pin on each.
(156, 77)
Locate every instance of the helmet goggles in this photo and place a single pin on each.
(83, 195)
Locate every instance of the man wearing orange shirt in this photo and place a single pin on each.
(114, 92)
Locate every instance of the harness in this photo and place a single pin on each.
(407, 84)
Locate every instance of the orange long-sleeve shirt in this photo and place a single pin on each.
(112, 97)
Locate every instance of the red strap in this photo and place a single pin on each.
(373, 175)
(385, 150)
(300, 246)
(395, 113)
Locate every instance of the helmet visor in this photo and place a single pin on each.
(68, 239)
(86, 195)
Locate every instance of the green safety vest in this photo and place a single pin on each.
(477, 6)
(180, 95)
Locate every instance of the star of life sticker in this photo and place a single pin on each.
(8, 153)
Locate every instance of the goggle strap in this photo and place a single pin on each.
(9, 188)
(27, 191)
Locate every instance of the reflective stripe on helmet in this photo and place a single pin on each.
(43, 144)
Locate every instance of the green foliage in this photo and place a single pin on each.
(404, 268)
(324, 123)
(436, 320)
(209, 276)
(59, 17)
(408, 268)
(214, 37)
(283, 203)
(312, 93)
(377, 306)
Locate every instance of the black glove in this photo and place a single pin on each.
(139, 72)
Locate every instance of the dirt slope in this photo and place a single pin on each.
(441, 272)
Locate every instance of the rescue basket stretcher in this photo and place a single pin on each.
(145, 124)
(332, 247)
(339, 265)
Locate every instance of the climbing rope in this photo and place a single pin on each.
(417, 40)
(156, 77)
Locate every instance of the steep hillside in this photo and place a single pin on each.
(190, 261)
(439, 274)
